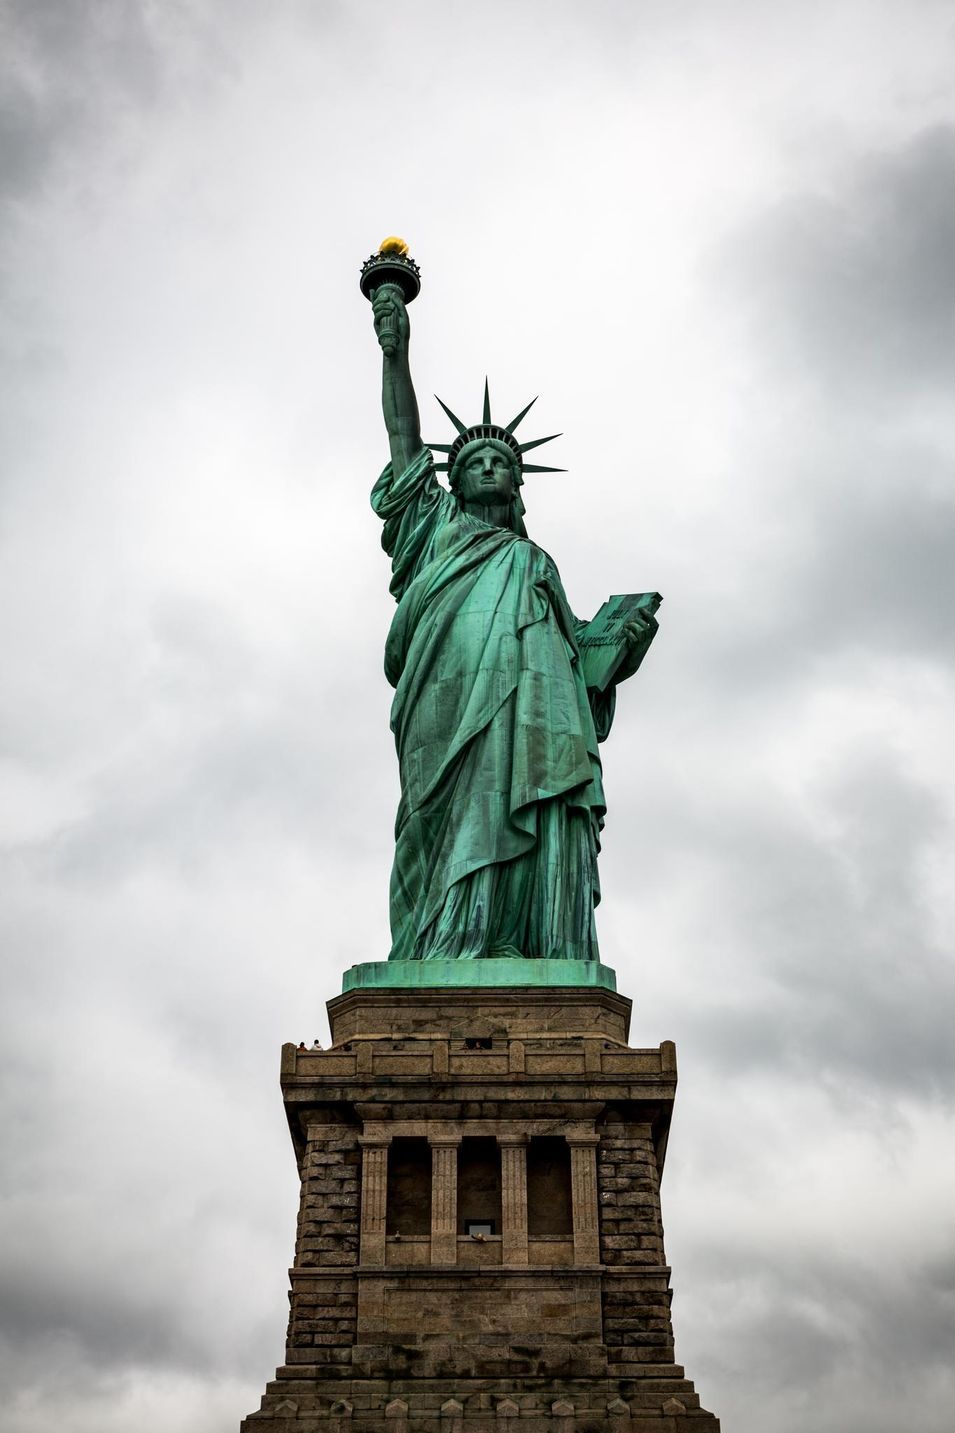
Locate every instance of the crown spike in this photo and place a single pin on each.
(536, 442)
(521, 415)
(487, 404)
(439, 447)
(538, 468)
(441, 467)
(454, 419)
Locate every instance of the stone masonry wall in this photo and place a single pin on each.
(636, 1301)
(324, 1301)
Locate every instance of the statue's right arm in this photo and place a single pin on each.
(398, 400)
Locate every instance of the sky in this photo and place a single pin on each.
(718, 239)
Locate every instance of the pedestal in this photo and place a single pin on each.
(479, 1237)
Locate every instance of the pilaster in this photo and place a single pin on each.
(444, 1198)
(513, 1197)
(583, 1181)
(374, 1196)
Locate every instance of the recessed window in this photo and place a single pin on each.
(478, 1042)
(479, 1183)
(409, 1187)
(549, 1206)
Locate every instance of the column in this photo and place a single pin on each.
(444, 1198)
(583, 1181)
(374, 1197)
(513, 1197)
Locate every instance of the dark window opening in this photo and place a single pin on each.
(549, 1204)
(409, 1187)
(479, 1183)
(478, 1042)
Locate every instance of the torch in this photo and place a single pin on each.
(392, 267)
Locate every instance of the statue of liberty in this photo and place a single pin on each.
(501, 694)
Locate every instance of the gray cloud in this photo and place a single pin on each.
(814, 924)
(848, 285)
(835, 1319)
(70, 72)
(845, 444)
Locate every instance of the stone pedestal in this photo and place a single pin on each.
(479, 1238)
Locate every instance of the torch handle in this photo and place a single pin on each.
(388, 323)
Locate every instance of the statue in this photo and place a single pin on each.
(501, 694)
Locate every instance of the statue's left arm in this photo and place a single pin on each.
(639, 633)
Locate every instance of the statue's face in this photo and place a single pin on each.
(487, 477)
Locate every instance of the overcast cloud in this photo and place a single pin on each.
(719, 240)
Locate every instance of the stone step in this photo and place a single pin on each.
(657, 1377)
(424, 1402)
(298, 1420)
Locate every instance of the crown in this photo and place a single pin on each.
(488, 429)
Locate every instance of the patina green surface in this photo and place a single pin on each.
(496, 727)
(513, 971)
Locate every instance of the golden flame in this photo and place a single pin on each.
(393, 245)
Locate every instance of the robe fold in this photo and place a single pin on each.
(498, 825)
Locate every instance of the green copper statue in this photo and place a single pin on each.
(501, 693)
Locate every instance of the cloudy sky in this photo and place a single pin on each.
(718, 238)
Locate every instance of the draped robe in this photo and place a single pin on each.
(502, 803)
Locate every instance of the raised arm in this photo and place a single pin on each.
(398, 401)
